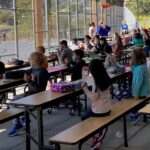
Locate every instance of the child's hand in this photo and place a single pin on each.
(33, 77)
(84, 84)
(136, 98)
(58, 53)
(1, 76)
(93, 49)
(27, 77)
(67, 61)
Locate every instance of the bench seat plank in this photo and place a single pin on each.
(145, 110)
(9, 114)
(78, 132)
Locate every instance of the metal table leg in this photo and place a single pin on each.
(79, 106)
(40, 128)
(27, 117)
(125, 132)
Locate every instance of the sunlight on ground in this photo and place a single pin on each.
(2, 130)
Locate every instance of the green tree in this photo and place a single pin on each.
(140, 6)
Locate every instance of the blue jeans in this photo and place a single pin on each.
(90, 113)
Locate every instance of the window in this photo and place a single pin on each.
(61, 19)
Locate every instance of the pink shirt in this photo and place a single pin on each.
(101, 102)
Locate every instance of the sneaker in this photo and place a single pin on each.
(136, 120)
(23, 121)
(95, 144)
(134, 116)
(15, 129)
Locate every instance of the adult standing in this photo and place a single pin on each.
(124, 28)
(4, 36)
(103, 29)
(92, 30)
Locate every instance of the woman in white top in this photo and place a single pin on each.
(101, 103)
(92, 30)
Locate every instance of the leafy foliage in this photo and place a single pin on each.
(140, 6)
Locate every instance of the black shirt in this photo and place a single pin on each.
(76, 69)
(41, 78)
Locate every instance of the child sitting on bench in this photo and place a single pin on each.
(75, 67)
(101, 103)
(110, 60)
(140, 78)
(41, 50)
(37, 78)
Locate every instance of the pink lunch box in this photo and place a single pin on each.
(62, 87)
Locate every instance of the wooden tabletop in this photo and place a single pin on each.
(56, 69)
(40, 99)
(14, 67)
(10, 67)
(6, 115)
(52, 60)
(145, 110)
(9, 83)
(45, 97)
(128, 50)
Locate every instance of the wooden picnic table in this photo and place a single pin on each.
(10, 67)
(42, 101)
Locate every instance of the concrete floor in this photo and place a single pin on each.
(139, 135)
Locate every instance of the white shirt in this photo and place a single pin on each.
(92, 31)
(73, 47)
(101, 101)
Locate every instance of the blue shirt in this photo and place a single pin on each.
(103, 32)
(124, 27)
(66, 53)
(140, 80)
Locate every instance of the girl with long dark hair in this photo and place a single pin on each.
(101, 103)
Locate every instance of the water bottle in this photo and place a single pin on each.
(85, 72)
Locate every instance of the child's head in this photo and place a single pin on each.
(123, 21)
(138, 35)
(78, 55)
(98, 71)
(36, 59)
(40, 49)
(75, 41)
(116, 34)
(103, 41)
(63, 44)
(87, 39)
(2, 70)
(138, 57)
(92, 24)
(108, 49)
(101, 22)
(96, 37)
